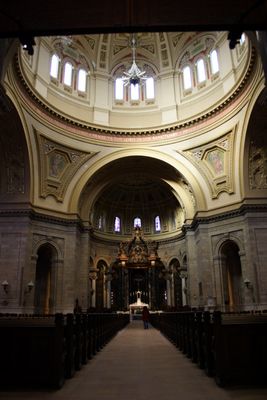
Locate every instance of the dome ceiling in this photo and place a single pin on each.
(106, 106)
(131, 187)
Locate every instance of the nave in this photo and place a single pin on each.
(140, 364)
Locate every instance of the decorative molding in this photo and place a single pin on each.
(240, 212)
(58, 165)
(215, 161)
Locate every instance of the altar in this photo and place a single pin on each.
(137, 307)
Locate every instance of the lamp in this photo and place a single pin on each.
(30, 286)
(134, 75)
(247, 283)
(27, 43)
(5, 286)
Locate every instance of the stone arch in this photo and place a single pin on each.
(46, 279)
(229, 264)
(14, 155)
(189, 188)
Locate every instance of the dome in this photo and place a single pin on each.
(189, 76)
(130, 191)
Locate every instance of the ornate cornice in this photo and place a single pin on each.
(100, 133)
(78, 223)
(243, 210)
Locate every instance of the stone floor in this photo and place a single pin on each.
(140, 364)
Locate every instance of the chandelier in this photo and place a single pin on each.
(134, 76)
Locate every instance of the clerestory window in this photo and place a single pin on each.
(81, 84)
(137, 222)
(54, 66)
(157, 224)
(117, 224)
(67, 74)
(214, 63)
(187, 78)
(201, 71)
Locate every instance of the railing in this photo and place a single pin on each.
(38, 350)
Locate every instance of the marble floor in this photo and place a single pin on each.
(140, 364)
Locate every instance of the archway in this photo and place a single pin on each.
(45, 281)
(231, 276)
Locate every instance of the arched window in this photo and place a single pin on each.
(119, 89)
(81, 85)
(150, 88)
(100, 222)
(134, 92)
(117, 224)
(68, 74)
(157, 224)
(54, 67)
(187, 79)
(201, 71)
(137, 222)
(242, 39)
(214, 63)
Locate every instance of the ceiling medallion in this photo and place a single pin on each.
(134, 76)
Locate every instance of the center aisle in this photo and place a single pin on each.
(140, 364)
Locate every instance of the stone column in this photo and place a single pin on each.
(108, 279)
(93, 278)
(248, 295)
(168, 284)
(218, 281)
(183, 276)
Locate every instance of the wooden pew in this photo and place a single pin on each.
(45, 350)
(240, 348)
(32, 351)
(231, 347)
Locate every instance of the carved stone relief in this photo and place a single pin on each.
(215, 161)
(257, 166)
(58, 165)
(13, 159)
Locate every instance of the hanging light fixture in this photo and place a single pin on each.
(134, 76)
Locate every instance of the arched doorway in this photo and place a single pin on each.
(231, 276)
(44, 296)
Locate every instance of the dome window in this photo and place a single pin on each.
(242, 39)
(150, 88)
(201, 71)
(81, 86)
(54, 67)
(117, 224)
(214, 63)
(68, 74)
(134, 92)
(119, 89)
(137, 222)
(187, 78)
(157, 224)
(100, 223)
